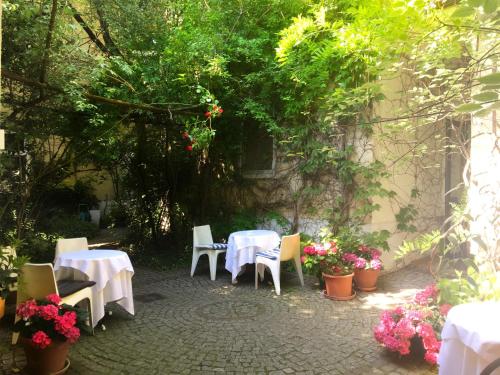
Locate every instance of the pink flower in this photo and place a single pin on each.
(309, 250)
(54, 298)
(376, 264)
(350, 257)
(376, 253)
(424, 297)
(360, 263)
(322, 252)
(41, 339)
(65, 322)
(302, 259)
(72, 334)
(48, 312)
(431, 357)
(405, 329)
(27, 309)
(444, 309)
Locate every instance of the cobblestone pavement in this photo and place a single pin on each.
(187, 325)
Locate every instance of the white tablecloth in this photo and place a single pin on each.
(242, 246)
(110, 269)
(471, 339)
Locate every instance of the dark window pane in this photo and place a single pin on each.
(257, 149)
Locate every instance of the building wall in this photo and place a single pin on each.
(418, 180)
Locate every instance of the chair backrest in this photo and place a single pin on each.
(202, 235)
(290, 247)
(36, 281)
(65, 245)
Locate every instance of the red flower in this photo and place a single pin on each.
(48, 312)
(188, 148)
(220, 110)
(27, 309)
(208, 114)
(65, 322)
(72, 334)
(185, 135)
(54, 298)
(41, 339)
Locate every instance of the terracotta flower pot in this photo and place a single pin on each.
(339, 287)
(47, 361)
(2, 307)
(366, 280)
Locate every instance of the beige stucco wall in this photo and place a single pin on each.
(408, 172)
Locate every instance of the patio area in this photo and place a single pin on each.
(189, 325)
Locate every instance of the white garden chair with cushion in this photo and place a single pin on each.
(204, 244)
(66, 245)
(288, 250)
(38, 280)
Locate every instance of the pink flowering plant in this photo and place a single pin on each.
(43, 321)
(421, 320)
(365, 258)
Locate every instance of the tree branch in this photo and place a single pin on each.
(110, 44)
(48, 43)
(77, 16)
(96, 98)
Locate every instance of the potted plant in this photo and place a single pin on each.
(328, 261)
(47, 329)
(9, 268)
(367, 266)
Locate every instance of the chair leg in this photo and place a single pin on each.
(298, 267)
(212, 258)
(89, 306)
(256, 275)
(262, 271)
(275, 273)
(194, 262)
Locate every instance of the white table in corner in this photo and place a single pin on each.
(471, 339)
(111, 270)
(242, 247)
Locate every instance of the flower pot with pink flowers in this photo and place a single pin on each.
(47, 329)
(367, 266)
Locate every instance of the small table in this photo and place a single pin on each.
(471, 339)
(110, 269)
(242, 246)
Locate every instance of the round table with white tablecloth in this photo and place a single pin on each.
(242, 246)
(471, 339)
(111, 270)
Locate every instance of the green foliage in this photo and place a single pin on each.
(472, 285)
(10, 266)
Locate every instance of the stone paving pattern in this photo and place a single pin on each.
(187, 325)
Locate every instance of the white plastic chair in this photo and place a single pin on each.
(38, 280)
(288, 250)
(204, 244)
(66, 245)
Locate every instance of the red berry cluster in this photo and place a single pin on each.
(191, 141)
(214, 111)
